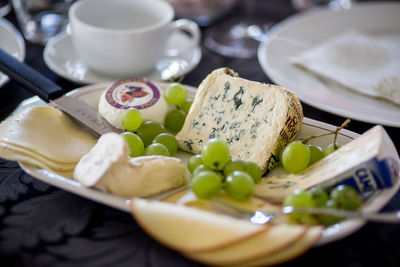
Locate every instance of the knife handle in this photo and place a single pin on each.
(29, 78)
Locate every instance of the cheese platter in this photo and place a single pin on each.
(91, 94)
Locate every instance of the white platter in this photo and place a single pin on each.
(91, 94)
(301, 31)
(12, 42)
(60, 56)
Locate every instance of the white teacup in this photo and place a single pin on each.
(126, 37)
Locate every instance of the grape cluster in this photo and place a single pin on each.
(213, 170)
(176, 94)
(297, 155)
(341, 197)
(153, 138)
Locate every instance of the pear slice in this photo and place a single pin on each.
(296, 249)
(190, 230)
(263, 244)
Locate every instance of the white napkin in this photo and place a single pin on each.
(365, 64)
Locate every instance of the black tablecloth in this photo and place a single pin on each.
(41, 225)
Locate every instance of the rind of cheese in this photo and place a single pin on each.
(257, 120)
(45, 137)
(360, 158)
(108, 166)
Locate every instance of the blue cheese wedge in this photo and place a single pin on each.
(108, 167)
(256, 120)
(367, 163)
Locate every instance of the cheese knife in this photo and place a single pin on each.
(54, 94)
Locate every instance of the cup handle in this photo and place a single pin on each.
(188, 26)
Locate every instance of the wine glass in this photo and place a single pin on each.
(238, 37)
(302, 5)
(5, 7)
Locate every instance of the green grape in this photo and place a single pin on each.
(175, 120)
(167, 140)
(135, 144)
(148, 130)
(316, 153)
(347, 197)
(215, 154)
(234, 165)
(185, 106)
(175, 94)
(331, 148)
(299, 198)
(295, 157)
(206, 184)
(319, 196)
(201, 168)
(132, 119)
(329, 219)
(156, 149)
(194, 162)
(254, 170)
(239, 185)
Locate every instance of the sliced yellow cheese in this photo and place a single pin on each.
(43, 133)
(304, 243)
(277, 238)
(190, 230)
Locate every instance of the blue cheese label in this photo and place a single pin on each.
(367, 163)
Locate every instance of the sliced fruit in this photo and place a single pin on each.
(296, 249)
(277, 238)
(190, 230)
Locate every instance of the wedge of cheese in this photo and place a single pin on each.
(256, 120)
(108, 167)
(45, 137)
(368, 163)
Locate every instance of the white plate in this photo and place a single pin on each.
(91, 94)
(12, 42)
(60, 56)
(301, 31)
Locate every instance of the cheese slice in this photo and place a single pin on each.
(367, 163)
(190, 230)
(256, 120)
(277, 238)
(45, 137)
(108, 166)
(292, 251)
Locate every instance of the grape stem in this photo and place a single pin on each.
(180, 79)
(344, 124)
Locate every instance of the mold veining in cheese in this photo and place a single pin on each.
(256, 120)
(107, 166)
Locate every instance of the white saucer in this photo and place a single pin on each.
(12, 42)
(60, 56)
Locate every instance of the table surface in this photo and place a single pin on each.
(44, 226)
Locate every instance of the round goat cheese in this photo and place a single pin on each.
(132, 93)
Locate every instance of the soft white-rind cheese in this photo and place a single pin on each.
(141, 94)
(107, 166)
(256, 120)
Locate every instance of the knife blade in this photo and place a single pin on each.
(52, 93)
